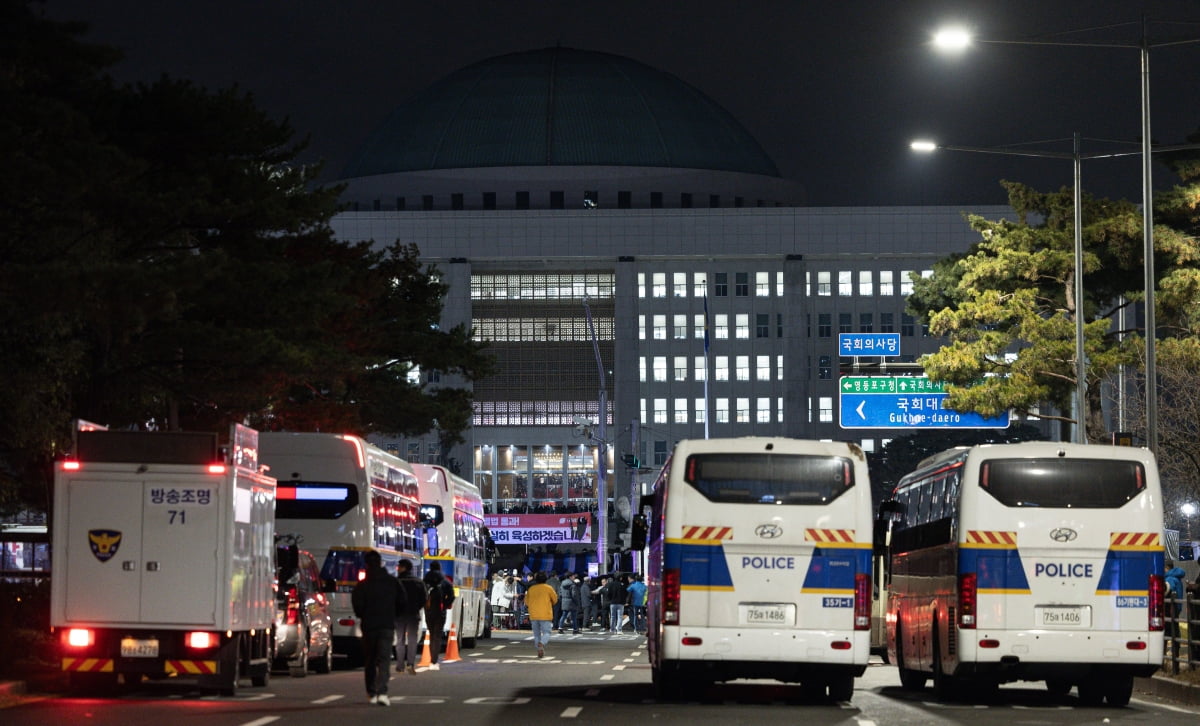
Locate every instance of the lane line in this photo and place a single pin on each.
(327, 699)
(261, 721)
(619, 668)
(571, 712)
(607, 677)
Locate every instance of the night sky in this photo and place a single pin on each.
(833, 91)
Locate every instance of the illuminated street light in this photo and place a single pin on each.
(959, 39)
(1188, 510)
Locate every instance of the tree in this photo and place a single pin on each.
(1008, 308)
(167, 264)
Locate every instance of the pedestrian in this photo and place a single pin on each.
(439, 598)
(600, 592)
(568, 596)
(408, 623)
(553, 581)
(1174, 581)
(637, 604)
(586, 607)
(616, 602)
(540, 600)
(377, 600)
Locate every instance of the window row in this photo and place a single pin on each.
(865, 285)
(683, 410)
(678, 368)
(549, 330)
(545, 286)
(683, 326)
(866, 324)
(680, 284)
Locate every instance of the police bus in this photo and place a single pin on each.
(1032, 561)
(342, 497)
(452, 519)
(759, 565)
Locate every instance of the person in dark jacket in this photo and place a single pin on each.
(616, 602)
(377, 600)
(408, 623)
(439, 600)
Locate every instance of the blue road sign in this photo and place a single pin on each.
(868, 344)
(881, 402)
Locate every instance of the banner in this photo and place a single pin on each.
(539, 528)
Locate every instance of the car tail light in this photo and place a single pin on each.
(362, 575)
(967, 600)
(293, 606)
(200, 639)
(670, 596)
(1157, 594)
(862, 601)
(78, 637)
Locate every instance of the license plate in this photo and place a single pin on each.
(1065, 617)
(768, 613)
(138, 648)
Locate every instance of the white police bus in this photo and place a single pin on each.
(1031, 561)
(759, 565)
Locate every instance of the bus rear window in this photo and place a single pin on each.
(314, 500)
(1062, 483)
(769, 478)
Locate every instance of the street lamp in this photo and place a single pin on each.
(1079, 402)
(958, 39)
(1188, 510)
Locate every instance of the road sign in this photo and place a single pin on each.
(877, 402)
(868, 344)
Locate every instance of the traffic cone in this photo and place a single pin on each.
(426, 661)
(452, 647)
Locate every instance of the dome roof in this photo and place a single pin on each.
(559, 107)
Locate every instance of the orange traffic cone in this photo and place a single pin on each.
(425, 659)
(452, 647)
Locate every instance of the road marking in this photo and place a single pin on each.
(627, 660)
(619, 668)
(261, 721)
(499, 647)
(327, 699)
(607, 677)
(636, 654)
(1167, 706)
(571, 712)
(864, 721)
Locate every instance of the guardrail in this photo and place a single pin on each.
(1183, 633)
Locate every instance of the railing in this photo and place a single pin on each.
(1183, 633)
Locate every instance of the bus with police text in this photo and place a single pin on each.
(1031, 561)
(759, 565)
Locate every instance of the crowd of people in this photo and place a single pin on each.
(610, 603)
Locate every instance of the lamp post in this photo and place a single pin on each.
(958, 39)
(601, 449)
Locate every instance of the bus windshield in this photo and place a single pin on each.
(314, 500)
(1062, 483)
(756, 478)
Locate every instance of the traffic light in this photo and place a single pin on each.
(631, 461)
(637, 532)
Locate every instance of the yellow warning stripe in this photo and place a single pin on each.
(88, 665)
(981, 539)
(191, 667)
(1135, 541)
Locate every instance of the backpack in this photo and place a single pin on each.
(439, 597)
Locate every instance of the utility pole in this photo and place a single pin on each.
(601, 452)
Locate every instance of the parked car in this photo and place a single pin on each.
(303, 628)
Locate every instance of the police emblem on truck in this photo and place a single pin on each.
(104, 543)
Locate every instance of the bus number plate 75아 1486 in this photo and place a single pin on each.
(767, 613)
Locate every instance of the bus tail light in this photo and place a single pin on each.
(862, 601)
(670, 596)
(1157, 594)
(78, 637)
(967, 600)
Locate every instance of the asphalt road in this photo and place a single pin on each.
(591, 678)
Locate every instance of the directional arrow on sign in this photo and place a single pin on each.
(859, 410)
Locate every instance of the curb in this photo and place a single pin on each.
(12, 688)
(1165, 687)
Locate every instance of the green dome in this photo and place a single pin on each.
(559, 107)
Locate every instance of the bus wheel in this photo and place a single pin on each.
(1091, 692)
(1118, 690)
(1058, 686)
(841, 688)
(910, 680)
(943, 685)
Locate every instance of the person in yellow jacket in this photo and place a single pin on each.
(540, 600)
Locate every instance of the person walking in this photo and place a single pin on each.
(601, 593)
(616, 603)
(408, 622)
(568, 596)
(377, 600)
(553, 581)
(540, 600)
(637, 604)
(439, 598)
(586, 606)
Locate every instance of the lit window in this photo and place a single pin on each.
(699, 284)
(700, 405)
(762, 284)
(743, 367)
(659, 284)
(779, 284)
(642, 368)
(660, 327)
(660, 410)
(721, 326)
(701, 364)
(779, 368)
(660, 368)
(681, 367)
(681, 410)
(825, 411)
(779, 410)
(681, 327)
(906, 283)
(763, 367)
(824, 287)
(885, 283)
(865, 286)
(641, 327)
(698, 326)
(641, 284)
(762, 410)
(721, 368)
(743, 326)
(743, 410)
(679, 283)
(722, 409)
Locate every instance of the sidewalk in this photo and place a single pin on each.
(1164, 686)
